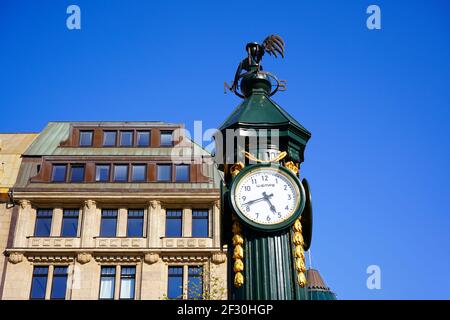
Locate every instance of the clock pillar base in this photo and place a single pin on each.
(269, 272)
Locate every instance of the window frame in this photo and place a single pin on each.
(107, 276)
(200, 218)
(56, 276)
(104, 132)
(109, 171)
(174, 218)
(169, 276)
(127, 276)
(165, 132)
(188, 166)
(139, 131)
(81, 132)
(195, 276)
(170, 170)
(132, 172)
(50, 218)
(66, 210)
(127, 178)
(102, 217)
(33, 276)
(135, 218)
(131, 145)
(71, 172)
(54, 165)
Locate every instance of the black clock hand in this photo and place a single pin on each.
(267, 198)
(256, 200)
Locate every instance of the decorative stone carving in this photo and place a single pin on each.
(25, 204)
(219, 257)
(84, 257)
(90, 204)
(155, 203)
(217, 204)
(151, 258)
(15, 257)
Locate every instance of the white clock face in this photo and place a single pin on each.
(267, 196)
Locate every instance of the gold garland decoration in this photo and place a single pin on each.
(299, 253)
(297, 239)
(251, 157)
(238, 253)
(238, 239)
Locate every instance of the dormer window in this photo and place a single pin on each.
(143, 139)
(109, 138)
(166, 139)
(86, 138)
(126, 138)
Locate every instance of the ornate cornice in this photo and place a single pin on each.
(184, 259)
(117, 258)
(50, 258)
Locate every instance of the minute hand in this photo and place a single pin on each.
(256, 200)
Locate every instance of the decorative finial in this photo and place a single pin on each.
(273, 45)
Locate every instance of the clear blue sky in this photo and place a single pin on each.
(377, 104)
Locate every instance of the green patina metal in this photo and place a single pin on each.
(269, 262)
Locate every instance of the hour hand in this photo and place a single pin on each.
(267, 198)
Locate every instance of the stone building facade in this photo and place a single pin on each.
(114, 210)
(12, 145)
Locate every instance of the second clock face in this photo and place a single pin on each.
(267, 196)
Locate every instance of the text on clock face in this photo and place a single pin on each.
(266, 196)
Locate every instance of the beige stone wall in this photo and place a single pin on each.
(5, 220)
(85, 254)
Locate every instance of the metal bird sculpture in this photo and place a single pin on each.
(273, 45)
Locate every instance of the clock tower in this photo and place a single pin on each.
(266, 203)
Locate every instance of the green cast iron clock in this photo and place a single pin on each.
(267, 197)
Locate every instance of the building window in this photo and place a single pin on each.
(175, 283)
(126, 138)
(127, 282)
(138, 172)
(166, 139)
(107, 282)
(173, 223)
(143, 139)
(195, 282)
(109, 138)
(39, 282)
(108, 227)
(102, 173)
(135, 223)
(59, 283)
(43, 222)
(121, 173)
(76, 173)
(200, 224)
(59, 173)
(70, 223)
(182, 173)
(164, 172)
(86, 138)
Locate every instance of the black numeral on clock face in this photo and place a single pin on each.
(247, 188)
(268, 218)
